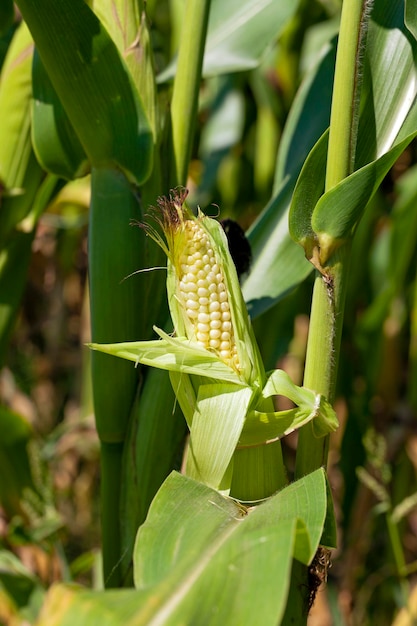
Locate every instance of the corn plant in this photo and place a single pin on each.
(232, 538)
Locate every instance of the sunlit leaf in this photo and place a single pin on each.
(239, 32)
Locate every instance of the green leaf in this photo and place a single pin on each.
(173, 354)
(307, 192)
(92, 83)
(200, 556)
(199, 549)
(278, 263)
(411, 17)
(15, 95)
(239, 33)
(218, 419)
(56, 145)
(338, 211)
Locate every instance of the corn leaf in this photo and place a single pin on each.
(388, 116)
(93, 84)
(200, 554)
(175, 354)
(15, 95)
(56, 145)
(218, 420)
(239, 33)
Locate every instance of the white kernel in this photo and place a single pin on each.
(212, 287)
(223, 296)
(191, 314)
(205, 258)
(198, 263)
(189, 277)
(225, 335)
(224, 306)
(203, 328)
(219, 277)
(202, 292)
(226, 316)
(225, 345)
(207, 268)
(202, 283)
(215, 324)
(214, 296)
(210, 252)
(191, 295)
(211, 277)
(191, 304)
(203, 302)
(225, 354)
(202, 337)
(214, 334)
(215, 315)
(214, 306)
(221, 287)
(215, 268)
(214, 343)
(227, 326)
(202, 343)
(204, 318)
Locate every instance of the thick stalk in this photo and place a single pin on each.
(327, 308)
(187, 84)
(329, 289)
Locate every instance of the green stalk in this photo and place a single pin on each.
(117, 314)
(187, 84)
(329, 289)
(327, 308)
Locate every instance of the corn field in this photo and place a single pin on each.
(208, 327)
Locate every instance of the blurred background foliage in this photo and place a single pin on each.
(49, 450)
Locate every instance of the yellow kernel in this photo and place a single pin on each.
(191, 304)
(204, 318)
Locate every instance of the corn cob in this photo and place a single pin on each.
(201, 286)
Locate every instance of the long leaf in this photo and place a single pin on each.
(92, 83)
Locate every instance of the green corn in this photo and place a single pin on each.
(214, 362)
